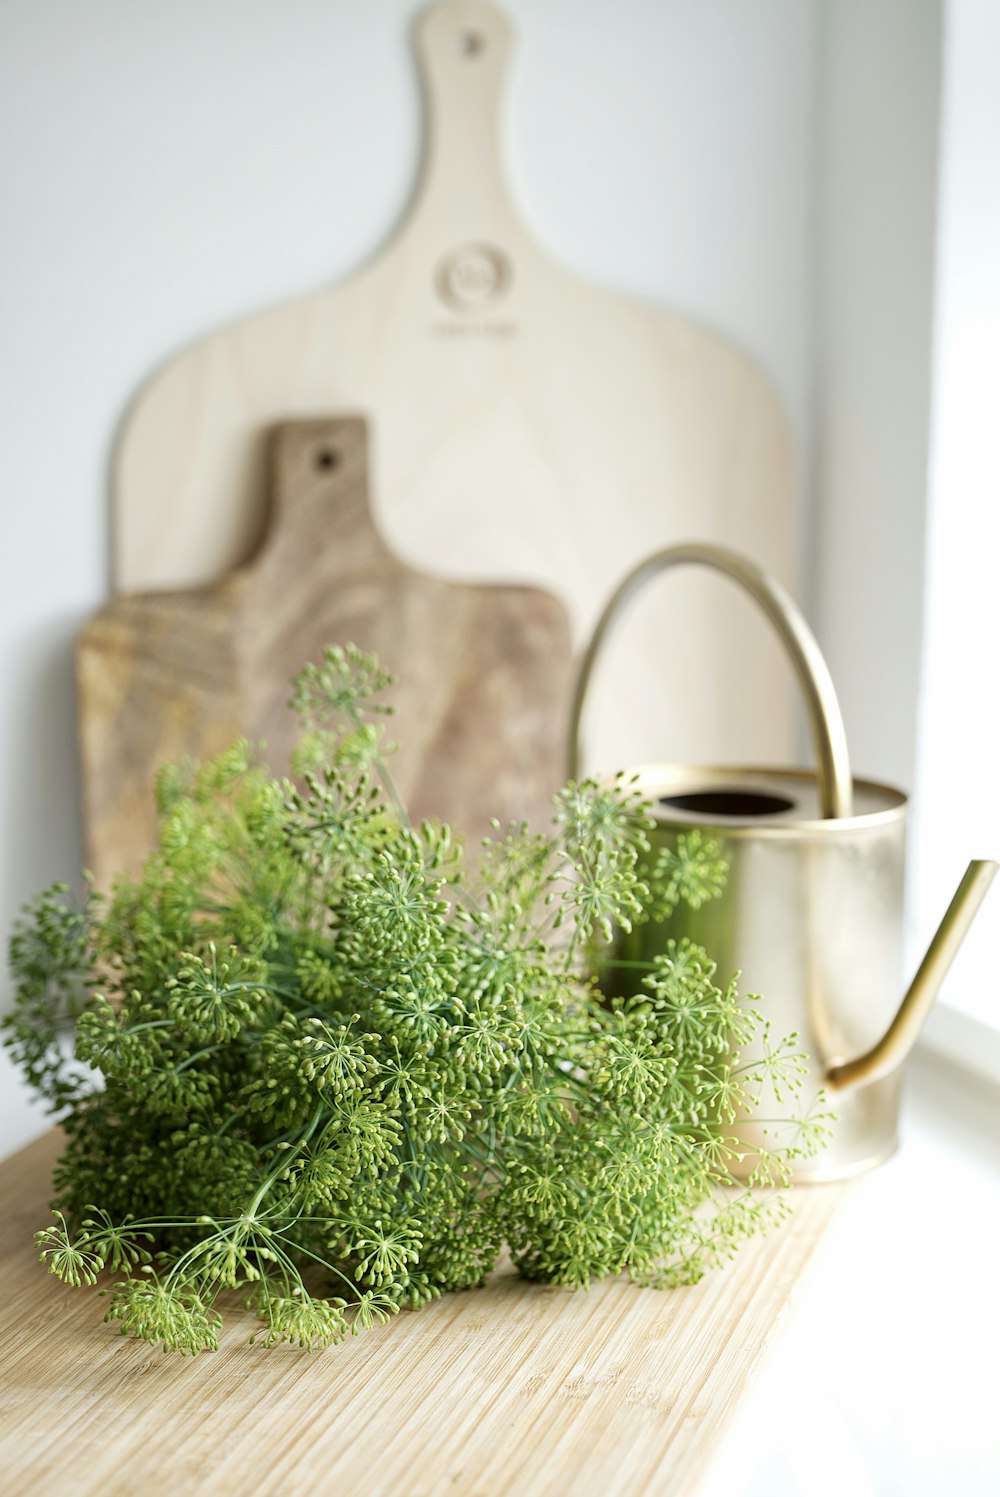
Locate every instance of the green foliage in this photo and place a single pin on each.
(49, 956)
(692, 872)
(319, 1060)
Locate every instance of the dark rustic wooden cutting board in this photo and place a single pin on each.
(484, 670)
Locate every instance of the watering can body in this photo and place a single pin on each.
(811, 915)
(811, 912)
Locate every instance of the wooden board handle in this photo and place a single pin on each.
(318, 497)
(463, 47)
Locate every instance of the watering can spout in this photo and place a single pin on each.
(901, 1035)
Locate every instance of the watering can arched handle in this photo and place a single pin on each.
(825, 720)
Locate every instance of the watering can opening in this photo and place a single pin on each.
(728, 803)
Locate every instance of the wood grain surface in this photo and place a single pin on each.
(515, 1390)
(530, 427)
(484, 672)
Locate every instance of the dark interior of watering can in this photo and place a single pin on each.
(722, 802)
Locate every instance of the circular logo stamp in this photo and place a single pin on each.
(473, 277)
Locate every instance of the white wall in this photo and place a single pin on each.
(877, 193)
(906, 467)
(959, 764)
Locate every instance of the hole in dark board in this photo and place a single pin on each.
(729, 802)
(328, 458)
(470, 43)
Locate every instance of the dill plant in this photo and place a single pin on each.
(318, 1060)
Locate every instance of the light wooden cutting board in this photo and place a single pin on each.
(529, 427)
(515, 1390)
(481, 701)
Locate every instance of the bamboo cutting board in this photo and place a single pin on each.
(515, 1390)
(530, 427)
(484, 672)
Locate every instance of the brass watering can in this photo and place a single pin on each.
(812, 909)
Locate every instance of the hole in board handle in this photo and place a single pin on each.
(327, 458)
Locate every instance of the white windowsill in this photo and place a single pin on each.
(884, 1380)
(965, 1041)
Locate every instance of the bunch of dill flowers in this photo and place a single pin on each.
(318, 1060)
